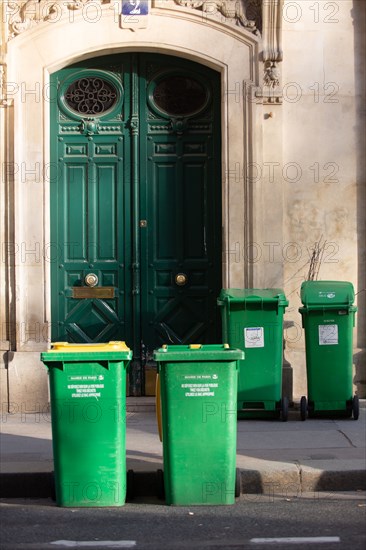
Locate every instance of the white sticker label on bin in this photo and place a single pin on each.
(200, 385)
(81, 387)
(326, 294)
(254, 337)
(328, 335)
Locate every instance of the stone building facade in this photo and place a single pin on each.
(273, 135)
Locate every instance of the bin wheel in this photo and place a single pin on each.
(284, 409)
(160, 484)
(237, 483)
(356, 407)
(130, 492)
(303, 407)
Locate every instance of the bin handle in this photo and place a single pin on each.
(158, 407)
(252, 299)
(326, 308)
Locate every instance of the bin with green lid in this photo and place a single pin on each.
(198, 388)
(88, 413)
(328, 317)
(252, 320)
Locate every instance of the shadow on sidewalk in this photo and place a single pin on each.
(22, 449)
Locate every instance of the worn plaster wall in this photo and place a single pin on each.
(323, 173)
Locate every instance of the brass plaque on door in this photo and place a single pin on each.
(97, 292)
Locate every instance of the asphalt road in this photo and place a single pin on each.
(325, 521)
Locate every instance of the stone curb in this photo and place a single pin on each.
(285, 482)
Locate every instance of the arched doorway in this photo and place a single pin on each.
(136, 203)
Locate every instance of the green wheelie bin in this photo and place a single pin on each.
(328, 317)
(88, 414)
(198, 388)
(252, 320)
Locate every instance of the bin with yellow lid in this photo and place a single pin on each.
(88, 411)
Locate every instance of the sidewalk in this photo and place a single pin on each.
(274, 457)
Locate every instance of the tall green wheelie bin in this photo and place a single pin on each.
(252, 320)
(328, 317)
(88, 414)
(198, 388)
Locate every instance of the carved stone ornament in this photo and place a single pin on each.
(234, 11)
(190, 3)
(25, 14)
(271, 75)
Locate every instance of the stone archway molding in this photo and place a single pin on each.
(261, 17)
(22, 15)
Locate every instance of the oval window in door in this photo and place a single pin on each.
(177, 95)
(91, 96)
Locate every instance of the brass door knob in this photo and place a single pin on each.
(91, 279)
(181, 279)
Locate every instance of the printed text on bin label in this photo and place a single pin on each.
(254, 337)
(200, 388)
(328, 335)
(82, 390)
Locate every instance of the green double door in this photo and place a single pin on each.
(135, 189)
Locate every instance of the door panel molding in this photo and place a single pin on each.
(183, 205)
(139, 204)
